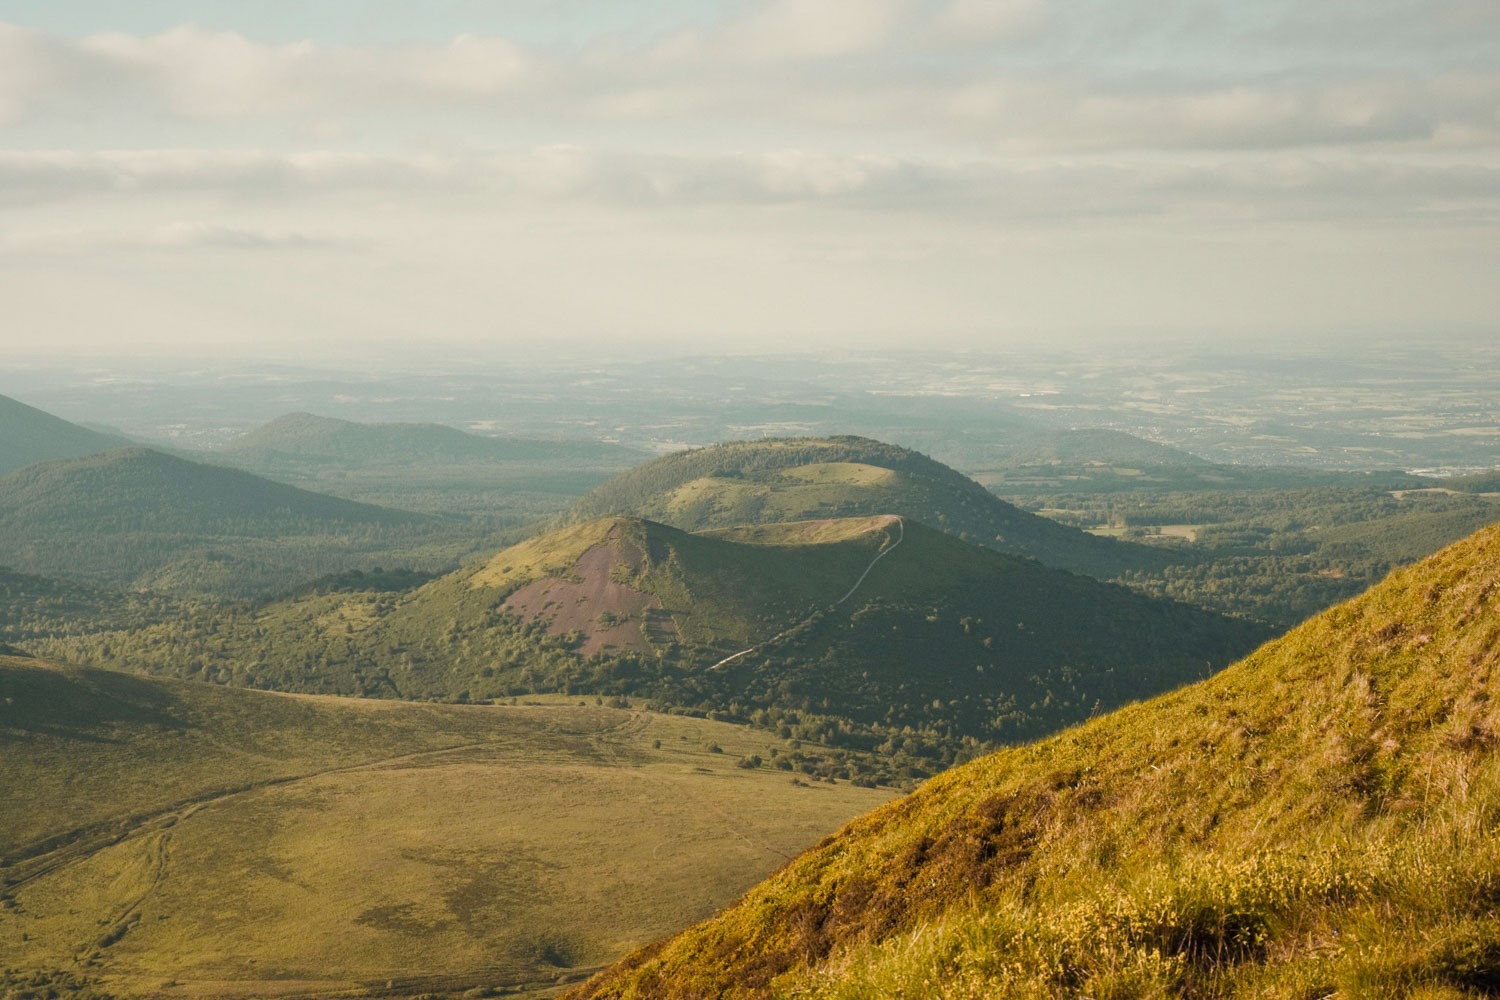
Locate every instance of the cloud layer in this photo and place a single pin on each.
(1269, 187)
(884, 146)
(1015, 75)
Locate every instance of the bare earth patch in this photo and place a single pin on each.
(592, 601)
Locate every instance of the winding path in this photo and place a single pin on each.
(884, 551)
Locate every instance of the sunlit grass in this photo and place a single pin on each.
(1318, 820)
(170, 832)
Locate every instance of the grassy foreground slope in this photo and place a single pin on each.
(798, 479)
(1318, 820)
(761, 623)
(180, 839)
(29, 435)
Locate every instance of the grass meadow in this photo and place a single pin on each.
(180, 839)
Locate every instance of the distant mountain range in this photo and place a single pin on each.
(1316, 820)
(304, 437)
(428, 467)
(1088, 444)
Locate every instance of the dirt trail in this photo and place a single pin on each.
(884, 551)
(900, 537)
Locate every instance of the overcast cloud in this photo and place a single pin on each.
(973, 171)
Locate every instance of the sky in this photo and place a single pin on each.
(336, 175)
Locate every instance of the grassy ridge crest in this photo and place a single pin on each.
(1317, 820)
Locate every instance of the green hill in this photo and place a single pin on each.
(30, 435)
(1317, 820)
(135, 488)
(795, 479)
(871, 630)
(162, 837)
(136, 518)
(304, 436)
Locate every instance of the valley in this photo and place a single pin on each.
(179, 839)
(266, 738)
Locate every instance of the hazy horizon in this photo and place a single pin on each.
(286, 181)
(580, 353)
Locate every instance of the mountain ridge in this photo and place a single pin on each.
(308, 436)
(1317, 819)
(136, 518)
(794, 479)
(32, 435)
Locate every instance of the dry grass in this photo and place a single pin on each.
(543, 555)
(823, 532)
(183, 840)
(1317, 820)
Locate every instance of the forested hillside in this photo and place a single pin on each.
(1484, 482)
(1280, 555)
(37, 607)
(869, 632)
(139, 519)
(30, 435)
